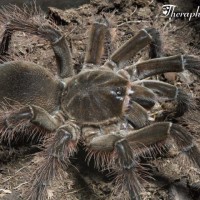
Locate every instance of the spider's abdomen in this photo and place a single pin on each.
(28, 83)
(94, 97)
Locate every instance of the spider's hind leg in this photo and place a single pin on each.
(30, 22)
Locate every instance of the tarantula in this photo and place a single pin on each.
(91, 106)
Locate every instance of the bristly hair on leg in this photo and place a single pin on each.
(19, 133)
(126, 168)
(4, 46)
(29, 20)
(43, 176)
(54, 164)
(11, 16)
(128, 180)
(129, 171)
(192, 64)
(150, 152)
(192, 120)
(185, 143)
(156, 44)
(25, 20)
(12, 13)
(103, 160)
(40, 26)
(185, 103)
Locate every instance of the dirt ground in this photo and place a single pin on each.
(127, 17)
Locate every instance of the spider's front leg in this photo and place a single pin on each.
(148, 92)
(124, 150)
(160, 132)
(136, 115)
(112, 151)
(148, 36)
(18, 122)
(55, 160)
(177, 63)
(95, 46)
(154, 66)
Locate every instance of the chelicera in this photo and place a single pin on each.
(91, 106)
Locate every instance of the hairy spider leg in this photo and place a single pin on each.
(161, 91)
(25, 22)
(129, 49)
(96, 41)
(27, 122)
(4, 46)
(177, 189)
(143, 96)
(156, 66)
(112, 151)
(159, 132)
(136, 115)
(121, 152)
(55, 160)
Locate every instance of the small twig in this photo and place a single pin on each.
(134, 11)
(20, 185)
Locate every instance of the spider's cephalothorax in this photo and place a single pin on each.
(97, 91)
(92, 105)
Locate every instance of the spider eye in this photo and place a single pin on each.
(119, 92)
